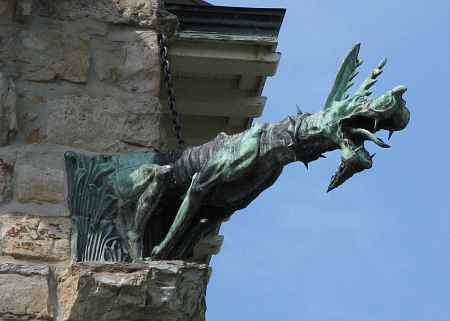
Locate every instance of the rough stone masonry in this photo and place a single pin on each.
(78, 75)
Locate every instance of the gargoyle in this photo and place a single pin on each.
(160, 204)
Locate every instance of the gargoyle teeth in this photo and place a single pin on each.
(369, 136)
(391, 132)
(372, 156)
(376, 125)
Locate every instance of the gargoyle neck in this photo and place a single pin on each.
(310, 139)
(294, 139)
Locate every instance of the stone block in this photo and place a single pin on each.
(130, 12)
(24, 7)
(24, 292)
(8, 119)
(39, 185)
(36, 238)
(6, 179)
(140, 72)
(7, 11)
(35, 209)
(104, 124)
(157, 291)
(39, 182)
(129, 59)
(39, 174)
(4, 5)
(50, 53)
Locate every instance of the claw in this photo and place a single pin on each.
(155, 252)
(372, 156)
(306, 165)
(322, 156)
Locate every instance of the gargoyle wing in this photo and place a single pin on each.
(348, 71)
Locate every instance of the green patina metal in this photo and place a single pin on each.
(160, 204)
(100, 190)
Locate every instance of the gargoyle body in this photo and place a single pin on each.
(161, 204)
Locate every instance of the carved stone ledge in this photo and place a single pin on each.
(161, 290)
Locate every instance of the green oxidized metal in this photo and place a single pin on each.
(160, 204)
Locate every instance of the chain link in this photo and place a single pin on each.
(168, 79)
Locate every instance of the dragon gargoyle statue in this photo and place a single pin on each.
(160, 204)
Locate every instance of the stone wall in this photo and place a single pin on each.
(74, 75)
(82, 74)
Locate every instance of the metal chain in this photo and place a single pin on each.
(171, 101)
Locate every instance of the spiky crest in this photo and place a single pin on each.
(347, 72)
(371, 80)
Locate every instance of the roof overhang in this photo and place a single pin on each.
(221, 57)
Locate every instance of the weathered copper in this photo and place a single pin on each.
(160, 204)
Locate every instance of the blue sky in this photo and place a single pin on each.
(378, 248)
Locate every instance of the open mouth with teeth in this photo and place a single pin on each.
(388, 113)
(352, 120)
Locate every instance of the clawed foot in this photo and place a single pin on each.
(155, 252)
